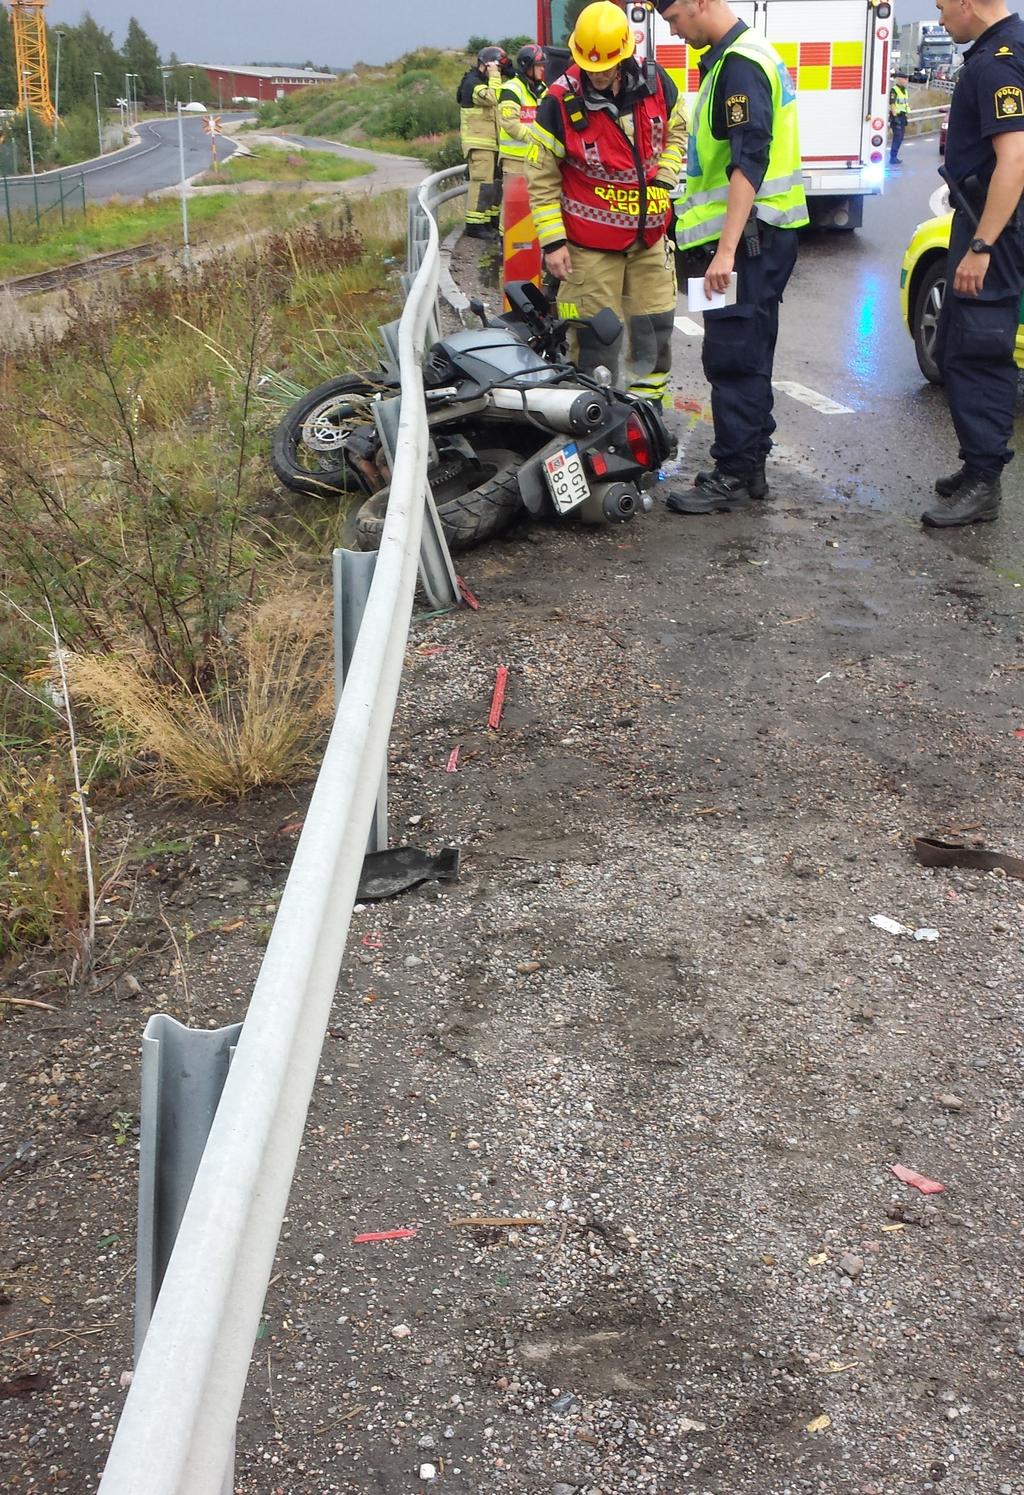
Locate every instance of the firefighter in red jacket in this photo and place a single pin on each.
(607, 151)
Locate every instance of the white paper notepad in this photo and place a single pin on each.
(698, 301)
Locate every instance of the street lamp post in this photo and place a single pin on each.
(136, 80)
(26, 72)
(128, 99)
(96, 90)
(56, 88)
(163, 80)
(187, 254)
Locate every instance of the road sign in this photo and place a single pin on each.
(212, 125)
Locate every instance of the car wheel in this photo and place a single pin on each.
(927, 306)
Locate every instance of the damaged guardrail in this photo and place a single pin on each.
(176, 1431)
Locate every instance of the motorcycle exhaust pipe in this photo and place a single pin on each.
(620, 503)
(571, 411)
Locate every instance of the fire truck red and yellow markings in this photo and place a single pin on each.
(815, 67)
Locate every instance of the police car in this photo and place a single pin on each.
(922, 287)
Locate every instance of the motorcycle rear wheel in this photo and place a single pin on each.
(469, 516)
(306, 453)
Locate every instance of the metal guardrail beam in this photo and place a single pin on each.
(179, 1417)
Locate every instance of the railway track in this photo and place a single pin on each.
(90, 269)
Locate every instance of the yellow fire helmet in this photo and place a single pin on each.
(602, 38)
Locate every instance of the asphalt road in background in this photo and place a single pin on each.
(842, 337)
(147, 167)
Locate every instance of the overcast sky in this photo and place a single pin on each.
(333, 32)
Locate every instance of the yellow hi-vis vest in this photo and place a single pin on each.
(524, 111)
(780, 198)
(898, 102)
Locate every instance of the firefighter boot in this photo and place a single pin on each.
(712, 493)
(976, 501)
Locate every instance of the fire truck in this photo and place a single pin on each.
(838, 55)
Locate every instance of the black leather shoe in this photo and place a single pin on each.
(975, 502)
(946, 487)
(718, 493)
(757, 482)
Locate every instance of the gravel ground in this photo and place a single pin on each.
(652, 1023)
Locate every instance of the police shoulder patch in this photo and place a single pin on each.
(1003, 52)
(737, 110)
(1009, 102)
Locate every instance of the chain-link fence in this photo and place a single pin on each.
(31, 203)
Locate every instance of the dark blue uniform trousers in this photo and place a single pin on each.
(739, 353)
(974, 350)
(899, 129)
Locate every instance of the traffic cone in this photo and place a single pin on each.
(520, 245)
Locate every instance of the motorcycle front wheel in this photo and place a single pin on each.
(474, 500)
(307, 454)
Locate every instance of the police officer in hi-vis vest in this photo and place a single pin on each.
(607, 151)
(742, 205)
(517, 109)
(977, 329)
(477, 97)
(898, 106)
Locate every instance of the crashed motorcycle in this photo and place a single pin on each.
(513, 425)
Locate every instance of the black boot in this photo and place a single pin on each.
(477, 231)
(976, 501)
(946, 487)
(712, 493)
(757, 482)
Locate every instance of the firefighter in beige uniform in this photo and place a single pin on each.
(608, 146)
(478, 126)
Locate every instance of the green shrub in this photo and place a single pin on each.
(448, 153)
(418, 113)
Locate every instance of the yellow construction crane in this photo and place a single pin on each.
(30, 59)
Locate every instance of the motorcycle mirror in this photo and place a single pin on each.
(478, 309)
(527, 299)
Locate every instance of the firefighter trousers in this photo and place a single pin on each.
(639, 285)
(738, 355)
(483, 202)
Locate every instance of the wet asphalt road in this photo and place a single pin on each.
(147, 167)
(842, 336)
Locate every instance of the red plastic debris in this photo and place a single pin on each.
(498, 698)
(383, 1235)
(467, 595)
(453, 760)
(1018, 731)
(429, 651)
(372, 941)
(917, 1180)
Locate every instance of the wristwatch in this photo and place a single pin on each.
(978, 246)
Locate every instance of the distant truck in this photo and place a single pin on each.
(838, 55)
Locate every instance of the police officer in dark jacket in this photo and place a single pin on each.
(985, 269)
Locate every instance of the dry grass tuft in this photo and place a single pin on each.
(259, 722)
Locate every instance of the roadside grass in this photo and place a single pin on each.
(270, 164)
(119, 225)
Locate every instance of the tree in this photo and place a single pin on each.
(141, 56)
(477, 43)
(8, 77)
(513, 43)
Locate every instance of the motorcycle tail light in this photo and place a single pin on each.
(639, 442)
(598, 464)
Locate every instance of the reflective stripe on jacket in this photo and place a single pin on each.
(780, 199)
(898, 101)
(608, 200)
(517, 109)
(478, 117)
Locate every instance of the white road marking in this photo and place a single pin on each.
(692, 329)
(821, 403)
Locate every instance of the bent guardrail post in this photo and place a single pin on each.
(352, 572)
(183, 1074)
(437, 573)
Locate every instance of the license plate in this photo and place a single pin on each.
(566, 478)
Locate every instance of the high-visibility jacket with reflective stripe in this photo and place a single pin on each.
(608, 198)
(898, 101)
(517, 109)
(780, 199)
(478, 117)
